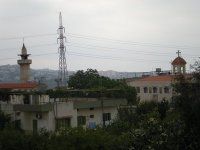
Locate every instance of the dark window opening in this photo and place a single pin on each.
(106, 117)
(81, 120)
(145, 90)
(155, 90)
(91, 116)
(166, 89)
(63, 123)
(138, 89)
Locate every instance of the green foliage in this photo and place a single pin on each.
(187, 103)
(90, 84)
(163, 107)
(188, 100)
(146, 107)
(90, 79)
(4, 120)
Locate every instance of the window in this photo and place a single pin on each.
(182, 69)
(91, 108)
(145, 90)
(155, 90)
(91, 116)
(106, 116)
(81, 120)
(176, 69)
(26, 99)
(150, 89)
(166, 89)
(138, 89)
(17, 124)
(63, 123)
(160, 90)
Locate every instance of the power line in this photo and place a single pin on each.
(94, 56)
(104, 48)
(30, 47)
(27, 36)
(153, 53)
(107, 39)
(129, 42)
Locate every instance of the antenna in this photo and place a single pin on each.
(62, 71)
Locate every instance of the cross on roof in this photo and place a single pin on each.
(178, 52)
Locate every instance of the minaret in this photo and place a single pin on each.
(24, 63)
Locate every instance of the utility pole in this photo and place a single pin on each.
(62, 71)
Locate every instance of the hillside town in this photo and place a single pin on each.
(32, 111)
(122, 75)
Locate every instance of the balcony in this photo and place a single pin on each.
(24, 61)
(33, 108)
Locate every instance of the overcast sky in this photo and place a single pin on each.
(121, 35)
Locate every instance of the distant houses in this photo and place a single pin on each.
(31, 108)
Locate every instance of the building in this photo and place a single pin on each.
(32, 112)
(158, 87)
(31, 109)
(24, 63)
(179, 65)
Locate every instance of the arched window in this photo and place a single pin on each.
(176, 69)
(160, 90)
(166, 89)
(150, 89)
(155, 89)
(138, 89)
(145, 90)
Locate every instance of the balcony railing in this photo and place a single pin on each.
(33, 108)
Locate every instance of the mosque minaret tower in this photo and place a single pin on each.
(24, 63)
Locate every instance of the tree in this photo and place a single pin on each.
(163, 106)
(4, 120)
(187, 103)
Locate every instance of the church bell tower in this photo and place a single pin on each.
(179, 65)
(24, 63)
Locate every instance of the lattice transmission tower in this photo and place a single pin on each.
(62, 71)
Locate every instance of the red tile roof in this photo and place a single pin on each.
(28, 85)
(178, 61)
(157, 78)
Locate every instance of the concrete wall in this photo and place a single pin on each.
(46, 121)
(66, 110)
(5, 107)
(61, 110)
(97, 112)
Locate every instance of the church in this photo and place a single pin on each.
(159, 87)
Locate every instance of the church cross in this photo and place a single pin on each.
(178, 52)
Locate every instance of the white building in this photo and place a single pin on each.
(32, 112)
(158, 87)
